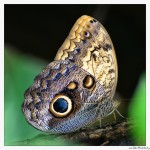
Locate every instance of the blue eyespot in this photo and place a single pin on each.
(87, 34)
(94, 20)
(60, 105)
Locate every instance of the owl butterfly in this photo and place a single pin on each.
(78, 86)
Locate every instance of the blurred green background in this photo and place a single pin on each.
(33, 35)
(20, 71)
(19, 74)
(137, 112)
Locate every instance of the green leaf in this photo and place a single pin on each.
(20, 70)
(137, 111)
(45, 140)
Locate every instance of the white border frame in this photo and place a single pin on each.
(74, 2)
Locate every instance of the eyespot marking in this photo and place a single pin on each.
(94, 20)
(88, 82)
(72, 86)
(87, 34)
(60, 106)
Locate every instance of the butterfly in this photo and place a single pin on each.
(79, 85)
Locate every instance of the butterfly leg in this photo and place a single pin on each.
(119, 113)
(116, 103)
(100, 122)
(99, 116)
(114, 116)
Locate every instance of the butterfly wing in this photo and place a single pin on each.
(53, 83)
(90, 47)
(66, 94)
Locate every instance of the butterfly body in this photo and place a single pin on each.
(78, 86)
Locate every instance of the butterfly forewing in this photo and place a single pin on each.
(90, 47)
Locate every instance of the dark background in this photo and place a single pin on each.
(41, 29)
